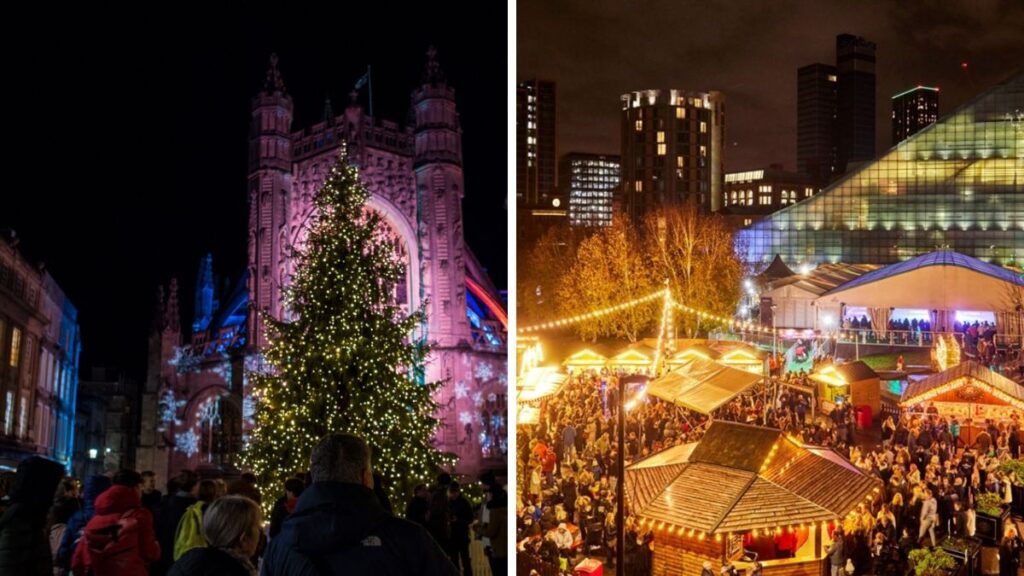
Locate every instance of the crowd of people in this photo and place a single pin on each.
(566, 502)
(334, 519)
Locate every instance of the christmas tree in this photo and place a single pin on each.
(346, 359)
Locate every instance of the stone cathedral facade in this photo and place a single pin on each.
(197, 408)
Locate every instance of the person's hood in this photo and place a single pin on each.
(118, 499)
(94, 486)
(36, 482)
(333, 516)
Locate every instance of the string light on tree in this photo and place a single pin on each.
(347, 360)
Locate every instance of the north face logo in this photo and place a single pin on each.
(371, 541)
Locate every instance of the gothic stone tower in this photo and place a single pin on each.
(415, 179)
(270, 179)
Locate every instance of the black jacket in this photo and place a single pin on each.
(24, 546)
(339, 528)
(207, 562)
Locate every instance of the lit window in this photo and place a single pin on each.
(661, 137)
(639, 125)
(639, 186)
(15, 347)
(698, 102)
(679, 161)
(704, 151)
(748, 221)
(680, 113)
(831, 77)
(808, 192)
(703, 127)
(661, 149)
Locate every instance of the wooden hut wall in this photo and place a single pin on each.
(674, 554)
(868, 392)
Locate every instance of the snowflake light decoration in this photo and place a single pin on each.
(460, 389)
(169, 407)
(483, 371)
(465, 417)
(187, 442)
(478, 399)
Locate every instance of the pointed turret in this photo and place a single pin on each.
(274, 84)
(438, 133)
(438, 165)
(172, 314)
(328, 112)
(205, 304)
(158, 311)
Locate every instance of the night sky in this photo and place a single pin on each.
(597, 50)
(129, 142)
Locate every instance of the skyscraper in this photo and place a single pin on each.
(958, 185)
(672, 149)
(816, 122)
(836, 111)
(912, 110)
(855, 100)
(589, 180)
(536, 152)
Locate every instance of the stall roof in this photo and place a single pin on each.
(528, 416)
(702, 385)
(539, 383)
(940, 280)
(741, 478)
(927, 388)
(823, 278)
(698, 350)
(844, 374)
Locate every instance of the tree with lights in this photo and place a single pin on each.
(347, 360)
(697, 255)
(609, 269)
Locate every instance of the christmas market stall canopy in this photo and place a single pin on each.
(539, 383)
(633, 356)
(967, 390)
(527, 415)
(529, 353)
(855, 381)
(744, 488)
(702, 351)
(744, 357)
(742, 478)
(586, 358)
(702, 385)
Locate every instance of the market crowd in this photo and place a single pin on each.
(936, 482)
(334, 519)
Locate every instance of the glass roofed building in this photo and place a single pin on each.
(958, 184)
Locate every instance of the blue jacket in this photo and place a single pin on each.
(340, 528)
(94, 486)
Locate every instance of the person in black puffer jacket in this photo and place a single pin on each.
(232, 526)
(339, 527)
(24, 545)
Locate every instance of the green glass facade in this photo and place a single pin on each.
(958, 184)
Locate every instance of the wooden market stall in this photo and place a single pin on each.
(702, 385)
(969, 391)
(742, 488)
(702, 351)
(539, 383)
(585, 359)
(633, 358)
(744, 357)
(853, 382)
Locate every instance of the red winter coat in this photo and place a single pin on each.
(99, 553)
